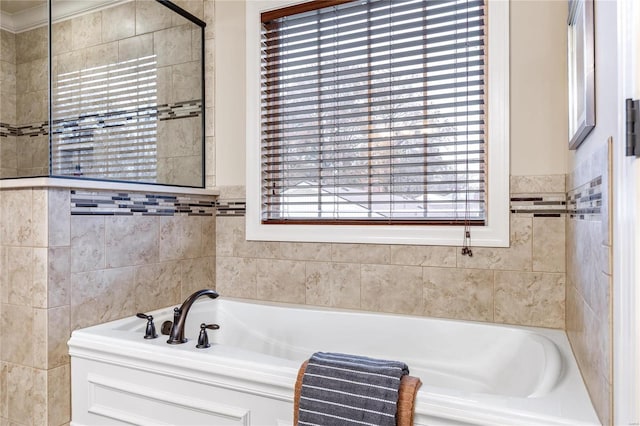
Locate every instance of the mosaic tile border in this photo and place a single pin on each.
(539, 205)
(116, 203)
(35, 129)
(585, 201)
(178, 110)
(163, 112)
(90, 122)
(546, 205)
(232, 207)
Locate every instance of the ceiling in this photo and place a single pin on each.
(14, 6)
(22, 15)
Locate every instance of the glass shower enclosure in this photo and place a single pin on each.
(108, 90)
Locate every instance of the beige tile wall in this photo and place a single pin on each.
(60, 272)
(25, 357)
(23, 90)
(7, 76)
(8, 159)
(523, 284)
(589, 286)
(32, 85)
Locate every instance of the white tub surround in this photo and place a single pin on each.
(472, 373)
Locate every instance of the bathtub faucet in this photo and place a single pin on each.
(176, 336)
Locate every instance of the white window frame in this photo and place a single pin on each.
(496, 231)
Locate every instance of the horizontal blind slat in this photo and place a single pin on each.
(353, 12)
(318, 88)
(382, 119)
(377, 53)
(371, 41)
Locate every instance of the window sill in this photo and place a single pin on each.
(481, 236)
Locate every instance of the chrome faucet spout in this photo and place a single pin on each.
(180, 315)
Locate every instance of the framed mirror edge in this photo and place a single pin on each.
(581, 76)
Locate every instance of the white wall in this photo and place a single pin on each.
(230, 92)
(539, 110)
(538, 89)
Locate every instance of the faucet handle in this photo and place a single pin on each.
(203, 339)
(150, 332)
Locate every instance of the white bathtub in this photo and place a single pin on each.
(472, 373)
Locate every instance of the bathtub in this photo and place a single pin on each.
(472, 373)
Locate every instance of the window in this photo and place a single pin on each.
(376, 112)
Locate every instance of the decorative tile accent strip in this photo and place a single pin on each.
(544, 205)
(585, 201)
(108, 203)
(163, 112)
(78, 127)
(180, 110)
(235, 207)
(540, 205)
(35, 129)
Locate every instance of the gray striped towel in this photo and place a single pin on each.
(340, 389)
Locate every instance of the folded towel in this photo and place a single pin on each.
(339, 389)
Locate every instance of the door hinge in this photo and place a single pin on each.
(633, 127)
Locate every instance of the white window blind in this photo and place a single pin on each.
(374, 112)
(105, 122)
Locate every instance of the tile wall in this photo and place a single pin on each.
(29, 365)
(523, 284)
(71, 259)
(7, 102)
(7, 77)
(589, 279)
(23, 112)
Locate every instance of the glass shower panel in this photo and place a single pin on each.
(127, 95)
